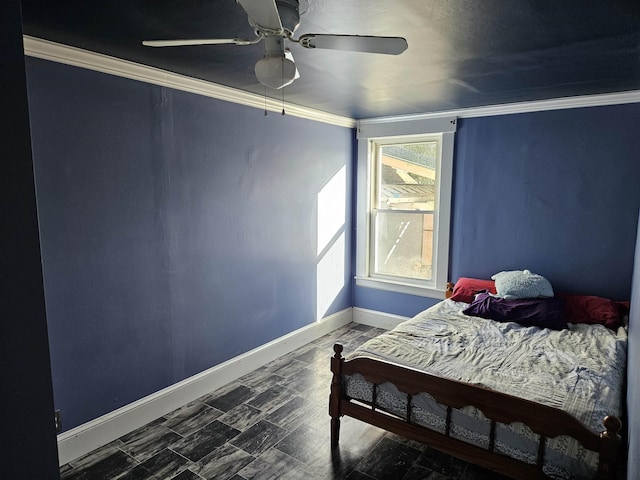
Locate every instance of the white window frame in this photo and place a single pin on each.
(372, 133)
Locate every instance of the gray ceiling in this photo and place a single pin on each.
(462, 53)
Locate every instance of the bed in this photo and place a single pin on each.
(523, 401)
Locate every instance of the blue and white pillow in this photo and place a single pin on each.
(521, 284)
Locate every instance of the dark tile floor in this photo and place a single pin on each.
(270, 424)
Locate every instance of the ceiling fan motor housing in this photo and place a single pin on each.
(289, 14)
(275, 22)
(277, 68)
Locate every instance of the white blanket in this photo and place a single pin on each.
(580, 370)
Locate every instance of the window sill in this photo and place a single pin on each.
(400, 287)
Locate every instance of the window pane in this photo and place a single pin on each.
(404, 244)
(407, 176)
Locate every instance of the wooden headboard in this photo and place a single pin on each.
(449, 291)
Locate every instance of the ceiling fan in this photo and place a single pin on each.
(274, 22)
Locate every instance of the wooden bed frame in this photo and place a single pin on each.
(548, 422)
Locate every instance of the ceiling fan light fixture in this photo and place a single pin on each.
(274, 22)
(276, 71)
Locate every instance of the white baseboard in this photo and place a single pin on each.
(377, 319)
(96, 433)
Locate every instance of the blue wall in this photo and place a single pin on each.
(178, 231)
(390, 302)
(555, 192)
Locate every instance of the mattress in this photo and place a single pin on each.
(579, 370)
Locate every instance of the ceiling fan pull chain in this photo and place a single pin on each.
(282, 69)
(265, 101)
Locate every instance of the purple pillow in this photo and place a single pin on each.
(530, 312)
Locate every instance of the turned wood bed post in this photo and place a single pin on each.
(610, 445)
(336, 394)
(449, 291)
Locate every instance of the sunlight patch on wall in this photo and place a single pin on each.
(331, 248)
(332, 209)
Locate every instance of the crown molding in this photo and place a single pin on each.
(56, 52)
(77, 57)
(599, 100)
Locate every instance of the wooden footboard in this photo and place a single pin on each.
(498, 407)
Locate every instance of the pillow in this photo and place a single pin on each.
(592, 310)
(530, 312)
(522, 284)
(467, 288)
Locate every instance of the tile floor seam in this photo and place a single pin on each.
(180, 455)
(199, 476)
(295, 460)
(129, 455)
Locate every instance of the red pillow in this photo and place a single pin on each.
(592, 310)
(467, 288)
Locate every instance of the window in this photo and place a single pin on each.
(404, 197)
(403, 208)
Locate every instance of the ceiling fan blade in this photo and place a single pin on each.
(263, 13)
(195, 41)
(355, 43)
